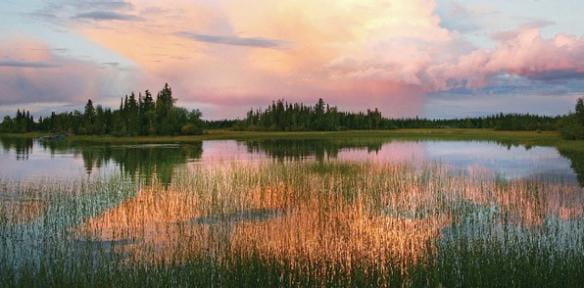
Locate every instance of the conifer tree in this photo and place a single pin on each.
(89, 117)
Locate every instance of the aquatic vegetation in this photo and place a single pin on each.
(294, 224)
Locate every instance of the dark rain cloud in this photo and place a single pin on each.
(234, 40)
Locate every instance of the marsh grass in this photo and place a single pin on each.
(289, 224)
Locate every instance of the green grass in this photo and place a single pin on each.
(455, 134)
(541, 138)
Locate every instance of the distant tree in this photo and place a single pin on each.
(572, 126)
(194, 124)
(580, 110)
(132, 115)
(7, 125)
(166, 116)
(103, 121)
(148, 114)
(89, 118)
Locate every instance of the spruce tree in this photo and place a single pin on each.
(580, 110)
(89, 117)
(164, 112)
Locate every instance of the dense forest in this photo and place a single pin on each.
(283, 116)
(140, 115)
(143, 115)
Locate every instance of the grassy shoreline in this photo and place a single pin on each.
(528, 138)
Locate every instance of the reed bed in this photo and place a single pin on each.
(290, 224)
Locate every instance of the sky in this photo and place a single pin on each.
(428, 58)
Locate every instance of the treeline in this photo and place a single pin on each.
(21, 123)
(283, 116)
(572, 126)
(142, 115)
(509, 122)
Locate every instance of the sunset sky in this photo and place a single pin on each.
(432, 58)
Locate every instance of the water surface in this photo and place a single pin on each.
(28, 159)
(365, 201)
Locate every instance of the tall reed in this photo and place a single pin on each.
(294, 224)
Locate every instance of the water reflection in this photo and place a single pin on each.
(294, 213)
(244, 210)
(144, 161)
(577, 159)
(282, 149)
(506, 161)
(22, 147)
(28, 159)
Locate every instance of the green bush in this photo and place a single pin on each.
(191, 129)
(572, 126)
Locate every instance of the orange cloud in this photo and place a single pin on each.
(199, 49)
(355, 53)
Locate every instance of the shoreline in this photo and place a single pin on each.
(527, 138)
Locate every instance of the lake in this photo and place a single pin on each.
(28, 159)
(287, 212)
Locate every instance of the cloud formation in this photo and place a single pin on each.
(50, 78)
(26, 64)
(107, 15)
(354, 53)
(527, 55)
(326, 38)
(234, 40)
(102, 4)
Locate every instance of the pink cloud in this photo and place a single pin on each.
(226, 56)
(30, 72)
(214, 72)
(527, 55)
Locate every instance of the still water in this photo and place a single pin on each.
(28, 159)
